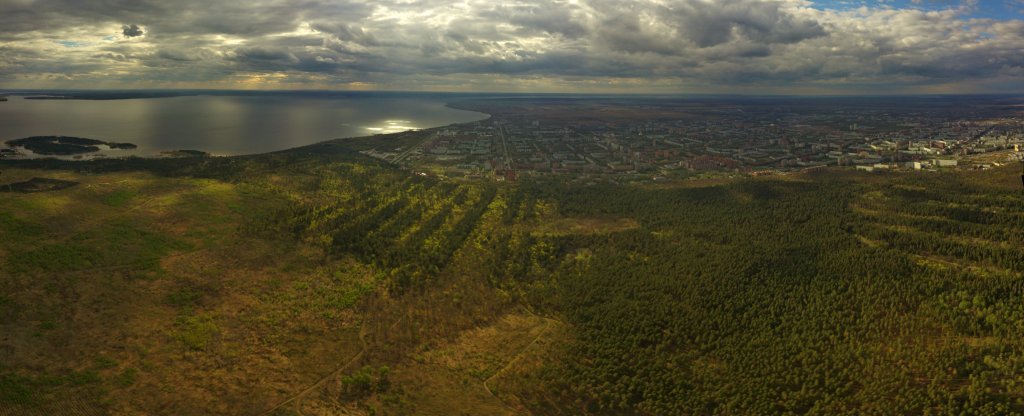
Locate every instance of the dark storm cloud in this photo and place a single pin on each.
(403, 42)
(624, 32)
(673, 28)
(131, 31)
(713, 24)
(261, 54)
(553, 18)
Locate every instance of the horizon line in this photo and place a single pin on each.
(659, 94)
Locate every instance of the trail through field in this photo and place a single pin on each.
(296, 399)
(547, 327)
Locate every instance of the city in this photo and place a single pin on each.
(508, 208)
(676, 139)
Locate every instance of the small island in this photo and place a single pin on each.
(64, 145)
(185, 153)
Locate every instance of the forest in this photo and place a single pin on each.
(828, 292)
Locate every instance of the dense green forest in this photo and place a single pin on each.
(824, 293)
(828, 296)
(831, 294)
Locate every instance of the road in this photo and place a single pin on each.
(402, 156)
(507, 159)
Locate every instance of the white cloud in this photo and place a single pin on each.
(745, 45)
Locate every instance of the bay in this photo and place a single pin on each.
(225, 125)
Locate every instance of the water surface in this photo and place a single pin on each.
(224, 125)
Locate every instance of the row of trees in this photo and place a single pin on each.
(824, 296)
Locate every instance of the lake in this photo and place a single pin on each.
(223, 124)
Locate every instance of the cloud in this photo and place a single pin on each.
(131, 31)
(746, 45)
(266, 55)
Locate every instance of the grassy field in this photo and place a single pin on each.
(312, 282)
(136, 293)
(132, 293)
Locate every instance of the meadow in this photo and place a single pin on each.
(316, 281)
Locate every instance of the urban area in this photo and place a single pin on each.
(667, 141)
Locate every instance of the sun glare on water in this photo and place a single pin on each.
(393, 126)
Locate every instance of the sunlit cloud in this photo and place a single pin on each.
(528, 45)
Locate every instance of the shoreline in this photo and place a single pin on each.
(148, 152)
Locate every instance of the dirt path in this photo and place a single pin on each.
(515, 358)
(296, 399)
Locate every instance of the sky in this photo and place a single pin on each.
(586, 46)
